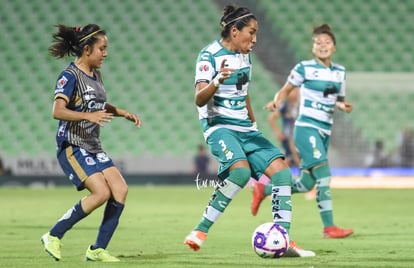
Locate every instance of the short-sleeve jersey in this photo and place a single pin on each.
(320, 86)
(227, 108)
(82, 93)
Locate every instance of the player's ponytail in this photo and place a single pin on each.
(69, 41)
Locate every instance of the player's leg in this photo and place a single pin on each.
(268, 158)
(112, 212)
(304, 183)
(280, 177)
(73, 162)
(226, 148)
(313, 148)
(322, 175)
(239, 175)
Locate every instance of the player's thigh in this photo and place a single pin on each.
(310, 144)
(261, 153)
(116, 183)
(78, 164)
(225, 146)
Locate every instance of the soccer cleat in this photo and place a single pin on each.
(336, 232)
(195, 239)
(99, 254)
(295, 251)
(52, 245)
(258, 196)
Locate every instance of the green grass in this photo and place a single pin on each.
(156, 220)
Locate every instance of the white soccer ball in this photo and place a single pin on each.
(270, 240)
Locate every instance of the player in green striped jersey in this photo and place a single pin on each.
(223, 73)
(322, 89)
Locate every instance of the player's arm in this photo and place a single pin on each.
(61, 112)
(205, 91)
(272, 120)
(343, 105)
(280, 97)
(250, 110)
(116, 111)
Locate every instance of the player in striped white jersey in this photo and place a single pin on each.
(80, 106)
(322, 89)
(223, 73)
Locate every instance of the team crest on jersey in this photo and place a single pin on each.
(61, 82)
(203, 68)
(338, 76)
(90, 161)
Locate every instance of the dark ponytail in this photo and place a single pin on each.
(69, 41)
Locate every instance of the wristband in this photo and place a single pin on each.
(216, 81)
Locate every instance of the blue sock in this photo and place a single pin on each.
(70, 218)
(112, 213)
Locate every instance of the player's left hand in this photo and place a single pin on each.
(134, 118)
(344, 106)
(270, 106)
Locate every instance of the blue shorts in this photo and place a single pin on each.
(78, 164)
(312, 146)
(229, 146)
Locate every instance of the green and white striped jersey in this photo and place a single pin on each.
(320, 87)
(227, 108)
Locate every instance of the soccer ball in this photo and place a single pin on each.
(270, 240)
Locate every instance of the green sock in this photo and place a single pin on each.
(281, 198)
(304, 183)
(268, 189)
(222, 197)
(323, 197)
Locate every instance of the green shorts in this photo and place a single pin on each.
(312, 146)
(229, 146)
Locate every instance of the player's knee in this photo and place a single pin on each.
(240, 176)
(101, 196)
(122, 193)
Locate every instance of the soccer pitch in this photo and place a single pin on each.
(157, 218)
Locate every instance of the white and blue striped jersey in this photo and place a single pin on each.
(227, 108)
(320, 86)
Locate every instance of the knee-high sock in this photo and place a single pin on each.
(322, 175)
(304, 183)
(66, 222)
(281, 198)
(222, 197)
(112, 213)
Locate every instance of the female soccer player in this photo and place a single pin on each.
(223, 73)
(81, 108)
(322, 88)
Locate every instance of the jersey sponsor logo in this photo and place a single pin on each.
(234, 104)
(94, 105)
(61, 82)
(203, 68)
